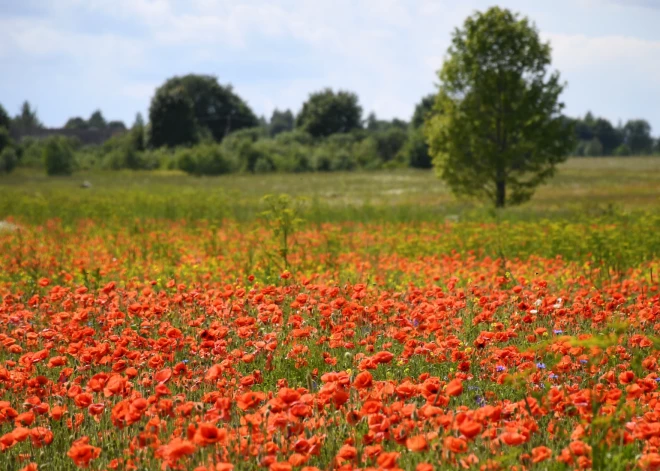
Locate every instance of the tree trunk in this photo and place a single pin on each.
(500, 195)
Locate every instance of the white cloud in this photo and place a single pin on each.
(139, 90)
(616, 54)
(388, 51)
(44, 39)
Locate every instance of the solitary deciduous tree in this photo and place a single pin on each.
(497, 130)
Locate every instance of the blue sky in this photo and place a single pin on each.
(70, 57)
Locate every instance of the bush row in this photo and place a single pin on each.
(245, 151)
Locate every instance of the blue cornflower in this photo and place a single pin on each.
(499, 368)
(540, 366)
(558, 332)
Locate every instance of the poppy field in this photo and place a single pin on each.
(285, 342)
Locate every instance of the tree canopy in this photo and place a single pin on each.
(97, 121)
(76, 123)
(637, 135)
(27, 119)
(422, 111)
(326, 112)
(281, 121)
(4, 118)
(216, 109)
(497, 131)
(172, 118)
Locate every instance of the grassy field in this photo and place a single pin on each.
(590, 186)
(157, 321)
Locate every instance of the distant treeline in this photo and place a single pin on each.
(202, 127)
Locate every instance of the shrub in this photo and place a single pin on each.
(332, 157)
(282, 156)
(58, 156)
(593, 148)
(30, 153)
(240, 146)
(8, 160)
(390, 142)
(205, 159)
(294, 137)
(5, 139)
(263, 165)
(415, 151)
(366, 154)
(622, 151)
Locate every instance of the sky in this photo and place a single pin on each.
(70, 57)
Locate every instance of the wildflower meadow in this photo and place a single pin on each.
(300, 338)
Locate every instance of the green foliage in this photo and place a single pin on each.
(297, 137)
(593, 148)
(607, 135)
(282, 215)
(281, 155)
(76, 123)
(422, 111)
(374, 124)
(589, 129)
(58, 156)
(326, 113)
(366, 154)
(632, 139)
(8, 159)
(30, 153)
(5, 121)
(415, 151)
(172, 118)
(97, 121)
(390, 142)
(123, 157)
(116, 126)
(5, 138)
(240, 145)
(336, 153)
(27, 119)
(281, 121)
(204, 159)
(215, 108)
(138, 134)
(637, 134)
(583, 130)
(622, 151)
(498, 130)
